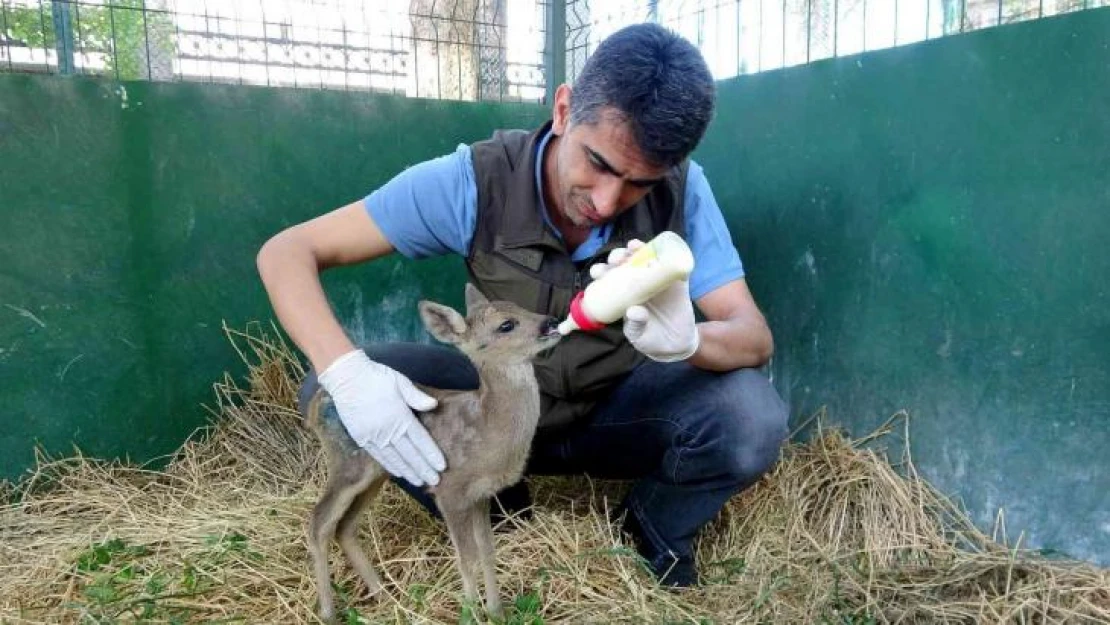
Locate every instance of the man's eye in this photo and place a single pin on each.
(507, 326)
(597, 164)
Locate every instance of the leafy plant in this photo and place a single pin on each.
(131, 35)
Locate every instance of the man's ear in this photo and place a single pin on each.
(442, 322)
(560, 111)
(474, 297)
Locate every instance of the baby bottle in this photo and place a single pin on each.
(649, 270)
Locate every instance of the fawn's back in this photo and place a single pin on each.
(485, 433)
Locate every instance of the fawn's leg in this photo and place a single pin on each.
(459, 525)
(347, 534)
(347, 480)
(483, 536)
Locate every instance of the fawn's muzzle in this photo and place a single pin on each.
(549, 327)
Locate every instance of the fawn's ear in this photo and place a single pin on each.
(474, 297)
(442, 322)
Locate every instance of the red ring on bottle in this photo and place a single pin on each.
(580, 317)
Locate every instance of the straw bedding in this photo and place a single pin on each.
(838, 533)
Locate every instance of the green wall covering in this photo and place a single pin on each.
(130, 216)
(927, 229)
(924, 226)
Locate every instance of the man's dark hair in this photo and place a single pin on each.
(657, 81)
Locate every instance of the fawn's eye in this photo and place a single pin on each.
(507, 326)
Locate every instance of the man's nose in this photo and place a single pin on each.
(607, 195)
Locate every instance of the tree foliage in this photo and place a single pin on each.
(131, 35)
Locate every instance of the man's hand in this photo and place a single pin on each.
(375, 404)
(663, 328)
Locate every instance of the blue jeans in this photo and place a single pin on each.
(690, 438)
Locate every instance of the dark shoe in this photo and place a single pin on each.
(670, 569)
(675, 572)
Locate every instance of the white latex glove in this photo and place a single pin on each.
(663, 328)
(375, 404)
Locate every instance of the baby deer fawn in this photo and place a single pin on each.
(485, 435)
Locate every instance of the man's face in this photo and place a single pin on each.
(599, 171)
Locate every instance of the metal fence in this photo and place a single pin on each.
(461, 49)
(456, 49)
(748, 36)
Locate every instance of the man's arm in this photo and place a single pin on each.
(374, 402)
(426, 210)
(735, 334)
(290, 264)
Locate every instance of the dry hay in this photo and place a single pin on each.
(835, 534)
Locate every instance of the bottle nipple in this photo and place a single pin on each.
(578, 319)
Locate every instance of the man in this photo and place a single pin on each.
(676, 405)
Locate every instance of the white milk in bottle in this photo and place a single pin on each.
(649, 270)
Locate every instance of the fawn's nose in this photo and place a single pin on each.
(549, 326)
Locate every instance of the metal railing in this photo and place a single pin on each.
(456, 49)
(461, 49)
(748, 36)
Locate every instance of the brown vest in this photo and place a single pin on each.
(514, 256)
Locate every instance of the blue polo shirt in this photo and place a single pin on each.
(431, 209)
